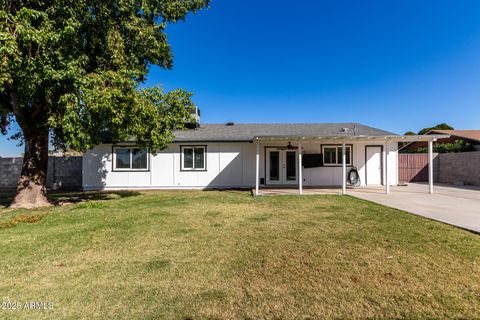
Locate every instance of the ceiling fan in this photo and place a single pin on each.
(288, 147)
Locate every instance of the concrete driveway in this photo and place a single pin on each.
(458, 206)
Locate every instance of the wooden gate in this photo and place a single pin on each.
(413, 167)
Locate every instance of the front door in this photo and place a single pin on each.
(374, 165)
(281, 166)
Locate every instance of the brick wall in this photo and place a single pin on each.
(63, 172)
(460, 168)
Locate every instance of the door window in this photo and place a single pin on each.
(274, 165)
(291, 171)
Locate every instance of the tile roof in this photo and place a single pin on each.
(466, 134)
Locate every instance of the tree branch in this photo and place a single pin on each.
(16, 108)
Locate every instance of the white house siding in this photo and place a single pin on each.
(229, 165)
(332, 176)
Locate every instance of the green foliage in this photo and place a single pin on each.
(441, 126)
(457, 146)
(73, 67)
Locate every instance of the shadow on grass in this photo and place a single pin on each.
(59, 198)
(62, 198)
(6, 198)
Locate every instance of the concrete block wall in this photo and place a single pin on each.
(63, 172)
(459, 168)
(9, 172)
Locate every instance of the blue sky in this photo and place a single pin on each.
(398, 65)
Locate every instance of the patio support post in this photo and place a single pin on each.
(430, 166)
(344, 168)
(384, 156)
(300, 176)
(387, 185)
(257, 169)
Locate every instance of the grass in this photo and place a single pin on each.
(227, 255)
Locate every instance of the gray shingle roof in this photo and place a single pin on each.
(246, 132)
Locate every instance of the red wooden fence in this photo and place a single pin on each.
(413, 167)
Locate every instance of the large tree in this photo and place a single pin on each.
(70, 70)
(440, 126)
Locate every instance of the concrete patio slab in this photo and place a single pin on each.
(458, 206)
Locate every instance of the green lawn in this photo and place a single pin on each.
(227, 255)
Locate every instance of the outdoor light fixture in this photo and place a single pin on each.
(289, 147)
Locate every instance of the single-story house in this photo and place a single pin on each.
(470, 136)
(256, 156)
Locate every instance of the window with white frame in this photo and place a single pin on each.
(332, 155)
(193, 158)
(130, 158)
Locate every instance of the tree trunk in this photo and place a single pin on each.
(32, 184)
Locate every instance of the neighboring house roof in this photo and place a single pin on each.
(470, 135)
(247, 132)
(464, 134)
